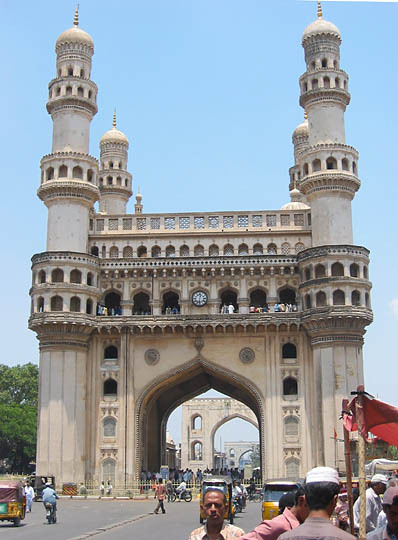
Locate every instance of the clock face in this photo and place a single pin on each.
(199, 298)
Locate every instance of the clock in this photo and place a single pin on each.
(199, 298)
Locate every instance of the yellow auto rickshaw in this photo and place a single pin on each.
(12, 502)
(272, 492)
(224, 484)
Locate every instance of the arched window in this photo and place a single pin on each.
(50, 173)
(68, 91)
(292, 468)
(337, 82)
(314, 84)
(338, 298)
(320, 299)
(109, 180)
(307, 273)
(345, 164)
(287, 296)
(229, 297)
(354, 270)
(74, 303)
(75, 276)
(258, 298)
(82, 73)
(214, 251)
(57, 303)
(63, 171)
(57, 276)
(290, 386)
(110, 353)
(109, 427)
(367, 300)
(354, 167)
(42, 276)
(308, 301)
(355, 298)
(156, 252)
(365, 272)
(127, 252)
(184, 251)
(326, 82)
(197, 422)
(258, 249)
(90, 175)
(196, 451)
(305, 169)
(111, 164)
(110, 388)
(316, 165)
(141, 304)
(80, 91)
(243, 249)
(299, 247)
(271, 249)
(77, 172)
(94, 251)
(289, 350)
(331, 163)
(141, 251)
(171, 303)
(170, 251)
(320, 271)
(337, 269)
(114, 252)
(228, 250)
(199, 251)
(40, 304)
(89, 306)
(324, 62)
(291, 424)
(70, 71)
(285, 248)
(90, 279)
(232, 452)
(108, 471)
(112, 303)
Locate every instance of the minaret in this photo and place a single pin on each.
(138, 207)
(114, 180)
(328, 166)
(300, 143)
(68, 178)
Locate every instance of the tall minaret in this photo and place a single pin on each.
(328, 166)
(69, 174)
(114, 180)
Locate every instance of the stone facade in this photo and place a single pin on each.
(127, 307)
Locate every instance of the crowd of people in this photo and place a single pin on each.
(105, 311)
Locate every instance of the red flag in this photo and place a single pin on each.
(335, 433)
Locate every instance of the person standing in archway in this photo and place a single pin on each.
(160, 494)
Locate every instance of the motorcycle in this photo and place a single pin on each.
(184, 496)
(51, 513)
(238, 504)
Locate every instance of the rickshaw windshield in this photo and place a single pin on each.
(273, 493)
(215, 485)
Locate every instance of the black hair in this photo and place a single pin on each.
(287, 500)
(299, 493)
(319, 494)
(217, 491)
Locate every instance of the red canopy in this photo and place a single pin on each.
(372, 416)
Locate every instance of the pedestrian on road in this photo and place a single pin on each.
(29, 494)
(160, 493)
(213, 507)
(102, 489)
(378, 485)
(109, 488)
(321, 489)
(295, 512)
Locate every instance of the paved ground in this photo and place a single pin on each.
(116, 520)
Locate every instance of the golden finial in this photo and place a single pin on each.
(76, 17)
(114, 119)
(319, 9)
(305, 115)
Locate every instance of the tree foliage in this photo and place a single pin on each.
(18, 414)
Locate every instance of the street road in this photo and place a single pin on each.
(117, 520)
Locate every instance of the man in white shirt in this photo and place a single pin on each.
(378, 485)
(390, 507)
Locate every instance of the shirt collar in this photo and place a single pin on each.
(222, 528)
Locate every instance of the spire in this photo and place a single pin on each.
(76, 17)
(114, 119)
(138, 205)
(319, 9)
(305, 115)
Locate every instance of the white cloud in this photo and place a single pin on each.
(394, 307)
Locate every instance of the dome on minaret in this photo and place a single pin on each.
(295, 201)
(75, 34)
(114, 135)
(320, 26)
(301, 130)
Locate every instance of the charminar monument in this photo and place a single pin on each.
(137, 313)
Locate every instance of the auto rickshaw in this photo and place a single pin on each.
(12, 502)
(224, 484)
(39, 483)
(272, 492)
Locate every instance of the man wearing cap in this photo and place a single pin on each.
(293, 514)
(390, 507)
(378, 485)
(321, 489)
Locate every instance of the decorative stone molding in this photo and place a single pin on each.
(152, 357)
(340, 250)
(246, 355)
(199, 343)
(289, 410)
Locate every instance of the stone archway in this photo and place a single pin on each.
(167, 392)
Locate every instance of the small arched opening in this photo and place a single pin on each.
(141, 251)
(75, 304)
(110, 353)
(308, 301)
(337, 269)
(127, 252)
(228, 250)
(291, 425)
(196, 451)
(75, 276)
(108, 471)
(89, 306)
(331, 163)
(287, 296)
(90, 279)
(197, 422)
(141, 304)
(57, 303)
(290, 387)
(229, 297)
(40, 304)
(57, 276)
(110, 388)
(77, 172)
(289, 350)
(170, 251)
(109, 427)
(156, 252)
(338, 298)
(258, 249)
(316, 165)
(94, 251)
(354, 270)
(112, 303)
(63, 171)
(171, 303)
(243, 249)
(199, 251)
(42, 276)
(114, 252)
(355, 298)
(214, 250)
(271, 249)
(320, 299)
(184, 251)
(258, 298)
(320, 271)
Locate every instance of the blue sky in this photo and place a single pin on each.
(207, 93)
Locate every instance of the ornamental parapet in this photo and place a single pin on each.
(64, 257)
(332, 320)
(68, 155)
(338, 250)
(330, 180)
(324, 95)
(63, 103)
(70, 189)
